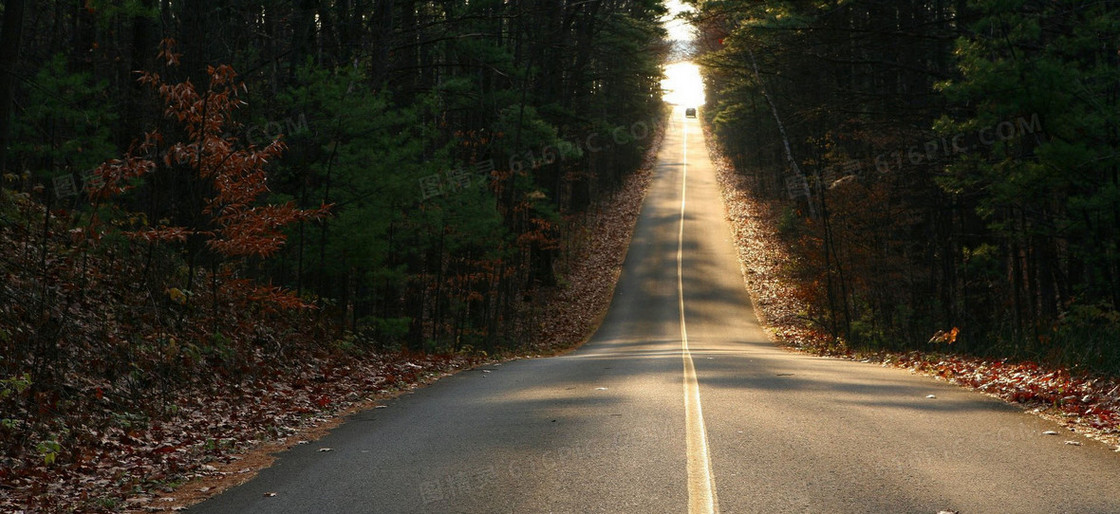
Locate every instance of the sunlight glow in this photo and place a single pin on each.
(683, 85)
(678, 29)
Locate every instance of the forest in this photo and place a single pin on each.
(944, 168)
(200, 196)
(200, 193)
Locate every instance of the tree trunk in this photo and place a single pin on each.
(11, 35)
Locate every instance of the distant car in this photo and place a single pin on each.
(690, 112)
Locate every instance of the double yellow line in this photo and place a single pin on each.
(701, 482)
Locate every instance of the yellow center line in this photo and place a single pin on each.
(701, 484)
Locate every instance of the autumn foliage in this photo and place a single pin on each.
(200, 259)
(944, 172)
(199, 297)
(120, 316)
(231, 222)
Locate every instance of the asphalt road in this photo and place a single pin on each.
(679, 404)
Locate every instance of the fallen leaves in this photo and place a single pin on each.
(593, 264)
(1089, 404)
(135, 459)
(128, 454)
(779, 298)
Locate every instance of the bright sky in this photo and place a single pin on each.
(678, 29)
(683, 84)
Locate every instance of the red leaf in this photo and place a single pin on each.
(163, 450)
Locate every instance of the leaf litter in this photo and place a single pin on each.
(217, 431)
(1085, 404)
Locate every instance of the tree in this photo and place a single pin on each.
(11, 38)
(231, 228)
(385, 109)
(1039, 88)
(66, 127)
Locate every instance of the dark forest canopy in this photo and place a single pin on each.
(946, 163)
(415, 171)
(201, 196)
(205, 204)
(452, 141)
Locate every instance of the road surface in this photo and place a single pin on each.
(679, 404)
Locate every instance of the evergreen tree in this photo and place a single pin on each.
(1038, 87)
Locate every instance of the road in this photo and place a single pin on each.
(679, 404)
